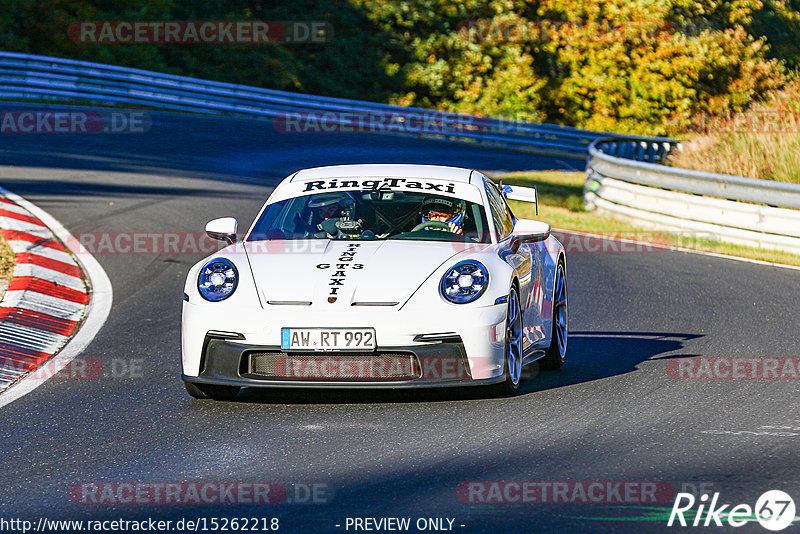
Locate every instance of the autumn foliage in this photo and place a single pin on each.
(625, 65)
(644, 66)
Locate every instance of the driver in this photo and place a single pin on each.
(450, 212)
(327, 214)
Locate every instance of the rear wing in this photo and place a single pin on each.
(521, 194)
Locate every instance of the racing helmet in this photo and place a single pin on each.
(327, 205)
(450, 211)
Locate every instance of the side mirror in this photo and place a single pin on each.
(521, 194)
(223, 229)
(529, 231)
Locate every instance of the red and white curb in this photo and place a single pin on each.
(55, 303)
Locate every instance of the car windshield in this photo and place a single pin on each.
(372, 214)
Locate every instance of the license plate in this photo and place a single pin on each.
(328, 339)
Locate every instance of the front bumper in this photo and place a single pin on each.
(228, 362)
(481, 331)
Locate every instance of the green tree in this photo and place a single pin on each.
(646, 66)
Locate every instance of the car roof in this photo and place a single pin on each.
(433, 172)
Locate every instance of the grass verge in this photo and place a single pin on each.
(762, 142)
(561, 206)
(6, 264)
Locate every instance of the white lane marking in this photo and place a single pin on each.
(758, 432)
(96, 313)
(37, 271)
(39, 302)
(19, 246)
(682, 249)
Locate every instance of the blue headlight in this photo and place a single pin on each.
(218, 279)
(464, 282)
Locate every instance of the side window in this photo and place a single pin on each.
(508, 218)
(503, 221)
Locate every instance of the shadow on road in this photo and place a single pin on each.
(591, 356)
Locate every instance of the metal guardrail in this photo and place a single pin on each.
(747, 211)
(624, 173)
(31, 77)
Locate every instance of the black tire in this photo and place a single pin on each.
(211, 391)
(557, 351)
(510, 385)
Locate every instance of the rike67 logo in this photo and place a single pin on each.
(774, 510)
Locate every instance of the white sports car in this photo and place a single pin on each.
(378, 276)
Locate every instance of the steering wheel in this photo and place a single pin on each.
(435, 225)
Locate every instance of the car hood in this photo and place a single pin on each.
(328, 273)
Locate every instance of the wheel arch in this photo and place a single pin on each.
(562, 259)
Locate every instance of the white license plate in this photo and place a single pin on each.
(328, 339)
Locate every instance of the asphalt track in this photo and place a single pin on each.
(613, 413)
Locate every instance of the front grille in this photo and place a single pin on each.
(337, 367)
